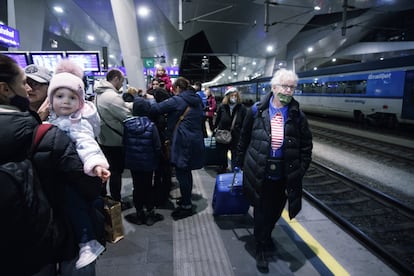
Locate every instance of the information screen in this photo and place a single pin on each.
(20, 58)
(89, 61)
(46, 59)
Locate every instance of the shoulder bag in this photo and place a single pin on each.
(223, 136)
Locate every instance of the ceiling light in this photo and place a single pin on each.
(58, 9)
(143, 11)
(91, 37)
(334, 60)
(269, 48)
(151, 38)
(310, 49)
(254, 63)
(317, 8)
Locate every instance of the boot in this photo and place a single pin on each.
(261, 262)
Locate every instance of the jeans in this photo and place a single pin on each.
(79, 213)
(185, 179)
(116, 159)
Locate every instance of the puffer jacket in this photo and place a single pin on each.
(112, 110)
(57, 164)
(142, 144)
(254, 149)
(187, 141)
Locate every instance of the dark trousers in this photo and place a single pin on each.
(162, 182)
(143, 193)
(79, 212)
(185, 179)
(222, 150)
(116, 159)
(269, 210)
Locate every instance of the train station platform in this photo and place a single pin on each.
(206, 245)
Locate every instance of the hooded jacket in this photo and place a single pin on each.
(187, 140)
(254, 150)
(112, 110)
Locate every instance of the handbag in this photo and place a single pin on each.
(114, 228)
(223, 136)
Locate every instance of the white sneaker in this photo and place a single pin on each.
(88, 253)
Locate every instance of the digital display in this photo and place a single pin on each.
(20, 58)
(46, 59)
(89, 61)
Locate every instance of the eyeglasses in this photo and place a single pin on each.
(34, 84)
(285, 86)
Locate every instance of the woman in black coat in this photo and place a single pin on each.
(275, 151)
(57, 164)
(231, 108)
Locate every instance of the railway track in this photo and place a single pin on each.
(384, 224)
(378, 150)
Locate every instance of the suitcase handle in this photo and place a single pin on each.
(233, 181)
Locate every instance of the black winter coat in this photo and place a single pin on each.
(224, 121)
(254, 149)
(57, 164)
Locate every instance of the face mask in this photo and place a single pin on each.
(233, 100)
(284, 99)
(20, 102)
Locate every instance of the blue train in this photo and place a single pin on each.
(381, 92)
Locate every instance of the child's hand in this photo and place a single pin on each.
(102, 173)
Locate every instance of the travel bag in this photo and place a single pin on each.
(211, 155)
(228, 198)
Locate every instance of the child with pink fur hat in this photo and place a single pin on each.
(79, 119)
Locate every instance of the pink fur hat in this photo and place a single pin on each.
(68, 75)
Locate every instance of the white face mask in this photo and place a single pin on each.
(233, 100)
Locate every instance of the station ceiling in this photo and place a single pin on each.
(240, 31)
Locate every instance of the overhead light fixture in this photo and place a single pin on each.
(91, 37)
(151, 38)
(310, 49)
(269, 48)
(317, 8)
(143, 11)
(58, 9)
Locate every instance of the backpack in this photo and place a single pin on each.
(26, 212)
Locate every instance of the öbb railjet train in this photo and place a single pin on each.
(381, 92)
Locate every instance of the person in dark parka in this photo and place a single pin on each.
(274, 150)
(187, 141)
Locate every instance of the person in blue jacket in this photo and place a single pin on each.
(184, 119)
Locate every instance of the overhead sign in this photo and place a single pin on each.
(9, 37)
(149, 63)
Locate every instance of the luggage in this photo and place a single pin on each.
(228, 198)
(211, 156)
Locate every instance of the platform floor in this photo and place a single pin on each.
(204, 245)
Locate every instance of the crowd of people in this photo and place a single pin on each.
(155, 133)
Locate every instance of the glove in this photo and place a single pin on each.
(236, 169)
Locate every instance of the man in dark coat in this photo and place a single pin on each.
(275, 150)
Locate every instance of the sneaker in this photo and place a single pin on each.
(137, 218)
(181, 212)
(88, 253)
(153, 218)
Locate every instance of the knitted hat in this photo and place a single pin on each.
(230, 90)
(141, 107)
(68, 75)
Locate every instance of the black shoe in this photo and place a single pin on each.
(153, 217)
(125, 205)
(138, 218)
(261, 262)
(180, 213)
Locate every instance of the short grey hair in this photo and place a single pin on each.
(283, 75)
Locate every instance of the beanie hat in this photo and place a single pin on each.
(230, 90)
(68, 75)
(141, 107)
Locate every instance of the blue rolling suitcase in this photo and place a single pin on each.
(211, 156)
(228, 198)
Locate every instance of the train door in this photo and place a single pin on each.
(408, 98)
